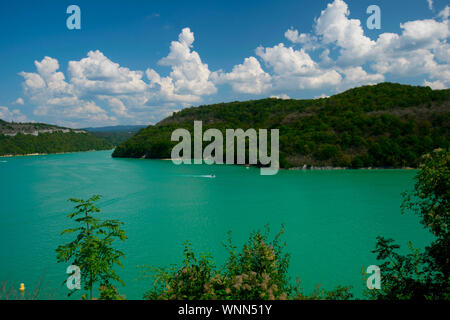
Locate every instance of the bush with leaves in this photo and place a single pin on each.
(257, 272)
(339, 293)
(110, 293)
(421, 274)
(92, 249)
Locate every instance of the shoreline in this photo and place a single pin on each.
(303, 168)
(346, 168)
(310, 167)
(45, 154)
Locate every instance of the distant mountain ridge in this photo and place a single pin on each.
(115, 134)
(119, 128)
(383, 125)
(32, 138)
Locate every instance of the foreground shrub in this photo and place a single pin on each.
(92, 249)
(257, 272)
(421, 274)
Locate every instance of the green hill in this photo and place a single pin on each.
(384, 125)
(29, 138)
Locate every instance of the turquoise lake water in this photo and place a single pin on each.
(331, 218)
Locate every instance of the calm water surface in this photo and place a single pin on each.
(332, 218)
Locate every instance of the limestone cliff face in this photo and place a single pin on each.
(11, 129)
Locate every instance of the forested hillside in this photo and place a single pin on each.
(384, 125)
(28, 138)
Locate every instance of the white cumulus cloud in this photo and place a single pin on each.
(96, 74)
(12, 115)
(295, 69)
(55, 98)
(247, 77)
(19, 101)
(421, 49)
(282, 96)
(189, 75)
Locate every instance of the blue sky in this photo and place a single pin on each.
(138, 61)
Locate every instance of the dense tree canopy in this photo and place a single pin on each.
(382, 125)
(51, 143)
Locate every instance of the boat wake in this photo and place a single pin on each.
(200, 175)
